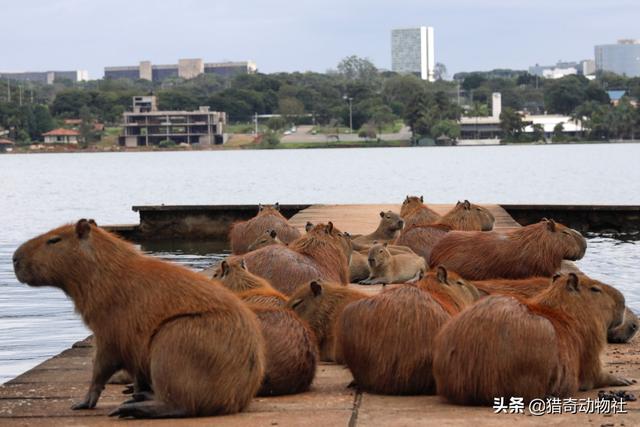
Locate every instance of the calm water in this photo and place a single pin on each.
(41, 191)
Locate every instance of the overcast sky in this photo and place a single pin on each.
(300, 35)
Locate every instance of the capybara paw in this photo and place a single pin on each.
(620, 381)
(83, 405)
(140, 397)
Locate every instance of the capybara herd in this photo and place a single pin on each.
(469, 313)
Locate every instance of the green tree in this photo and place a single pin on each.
(511, 124)
(356, 68)
(276, 123)
(448, 128)
(271, 139)
(381, 117)
(558, 133)
(440, 71)
(538, 132)
(42, 121)
(478, 109)
(86, 127)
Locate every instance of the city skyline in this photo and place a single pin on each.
(304, 36)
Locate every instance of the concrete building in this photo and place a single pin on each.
(47, 77)
(185, 68)
(412, 51)
(585, 67)
(621, 58)
(61, 136)
(146, 125)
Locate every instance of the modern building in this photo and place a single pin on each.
(61, 136)
(47, 77)
(147, 125)
(185, 68)
(412, 51)
(585, 67)
(621, 58)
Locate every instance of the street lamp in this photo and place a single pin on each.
(348, 98)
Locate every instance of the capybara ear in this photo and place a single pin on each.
(243, 264)
(381, 214)
(224, 266)
(277, 206)
(458, 203)
(406, 199)
(273, 234)
(555, 277)
(551, 224)
(421, 199)
(467, 205)
(260, 207)
(308, 226)
(573, 283)
(93, 222)
(420, 275)
(441, 274)
(83, 228)
(329, 227)
(316, 288)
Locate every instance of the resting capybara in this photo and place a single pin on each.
(244, 233)
(388, 268)
(387, 339)
(534, 250)
(388, 228)
(422, 238)
(466, 216)
(527, 288)
(198, 345)
(414, 212)
(320, 304)
(548, 345)
(269, 237)
(247, 286)
(358, 267)
(323, 253)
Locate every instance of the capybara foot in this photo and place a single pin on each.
(87, 404)
(352, 384)
(148, 409)
(613, 380)
(142, 396)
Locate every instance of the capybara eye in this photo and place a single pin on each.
(54, 240)
(595, 289)
(296, 303)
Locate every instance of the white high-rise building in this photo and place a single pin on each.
(412, 52)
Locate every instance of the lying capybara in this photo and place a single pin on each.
(414, 212)
(388, 268)
(387, 339)
(527, 288)
(422, 238)
(247, 286)
(320, 304)
(548, 345)
(244, 233)
(358, 267)
(322, 253)
(534, 250)
(269, 237)
(388, 228)
(466, 216)
(198, 345)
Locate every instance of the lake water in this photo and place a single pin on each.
(41, 191)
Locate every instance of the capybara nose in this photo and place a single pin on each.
(633, 326)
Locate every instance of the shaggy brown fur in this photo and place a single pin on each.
(243, 234)
(466, 216)
(422, 239)
(269, 237)
(388, 228)
(197, 344)
(320, 305)
(387, 339)
(323, 253)
(414, 212)
(527, 288)
(388, 268)
(548, 345)
(247, 286)
(534, 250)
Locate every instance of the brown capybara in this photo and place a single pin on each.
(269, 237)
(527, 288)
(466, 216)
(534, 250)
(320, 304)
(322, 253)
(387, 339)
(358, 267)
(244, 233)
(548, 345)
(388, 228)
(422, 238)
(198, 345)
(388, 268)
(247, 286)
(414, 212)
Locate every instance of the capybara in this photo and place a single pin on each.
(466, 216)
(247, 286)
(422, 238)
(534, 250)
(198, 345)
(388, 268)
(414, 212)
(388, 228)
(527, 288)
(244, 233)
(320, 304)
(322, 253)
(548, 345)
(387, 339)
(269, 237)
(358, 267)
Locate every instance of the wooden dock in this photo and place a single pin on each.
(43, 395)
